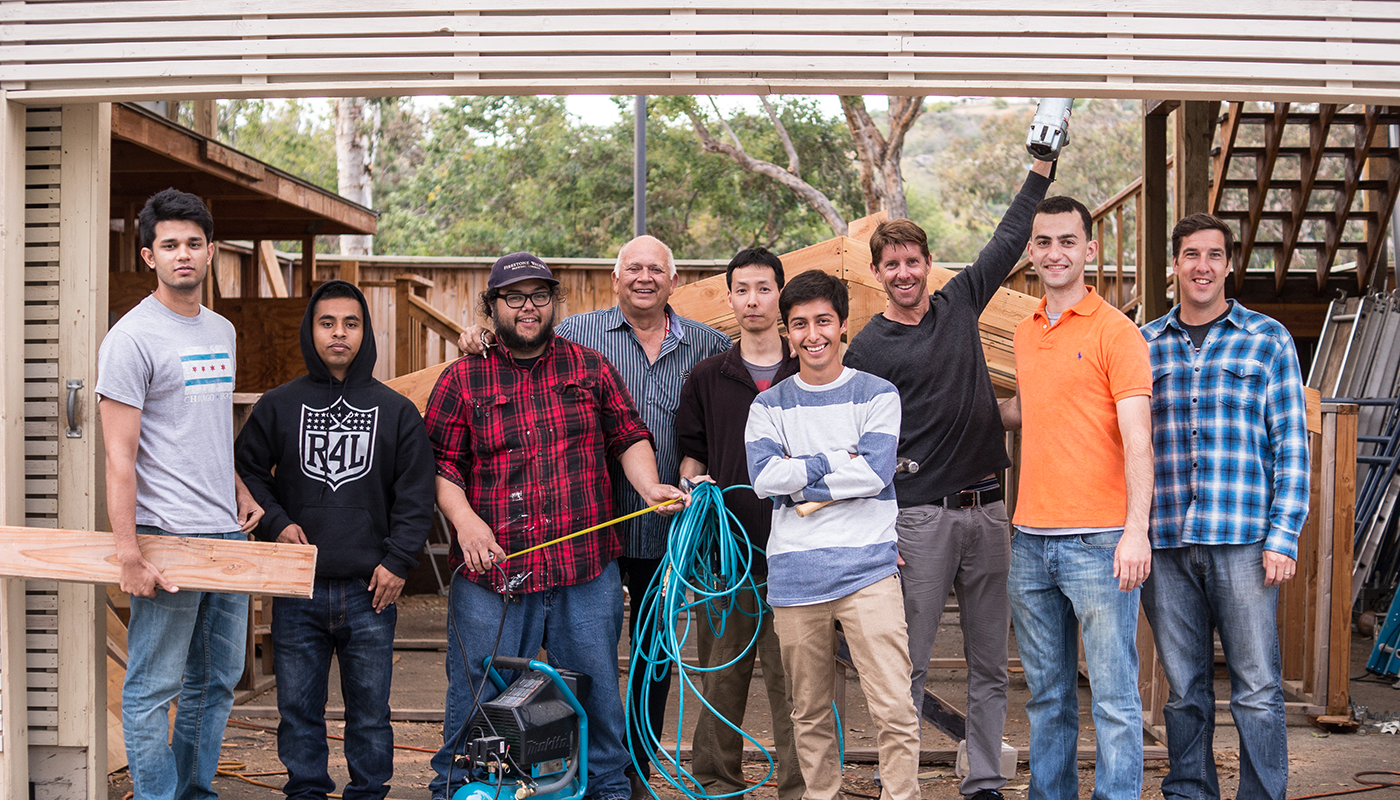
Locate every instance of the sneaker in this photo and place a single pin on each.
(985, 794)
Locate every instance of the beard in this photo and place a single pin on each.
(509, 338)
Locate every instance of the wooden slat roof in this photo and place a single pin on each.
(249, 199)
(1306, 50)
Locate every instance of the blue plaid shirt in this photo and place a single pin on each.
(656, 391)
(1229, 433)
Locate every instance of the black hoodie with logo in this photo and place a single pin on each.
(350, 462)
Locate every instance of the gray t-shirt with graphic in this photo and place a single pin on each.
(179, 372)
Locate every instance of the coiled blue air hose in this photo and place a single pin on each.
(706, 570)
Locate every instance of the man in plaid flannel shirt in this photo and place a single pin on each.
(1230, 437)
(522, 437)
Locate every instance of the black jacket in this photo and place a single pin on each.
(710, 421)
(349, 462)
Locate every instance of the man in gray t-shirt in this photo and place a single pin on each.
(165, 388)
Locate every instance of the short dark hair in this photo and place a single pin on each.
(1064, 204)
(487, 299)
(815, 285)
(1195, 223)
(754, 257)
(334, 290)
(896, 232)
(173, 204)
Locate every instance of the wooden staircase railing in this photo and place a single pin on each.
(414, 318)
(1341, 154)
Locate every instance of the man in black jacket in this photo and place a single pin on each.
(339, 460)
(714, 408)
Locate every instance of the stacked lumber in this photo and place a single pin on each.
(849, 259)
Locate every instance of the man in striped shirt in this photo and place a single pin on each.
(830, 433)
(1230, 437)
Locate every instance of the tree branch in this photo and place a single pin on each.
(808, 193)
(794, 166)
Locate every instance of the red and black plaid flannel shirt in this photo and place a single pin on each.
(528, 447)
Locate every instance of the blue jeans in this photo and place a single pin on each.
(340, 619)
(579, 625)
(1058, 587)
(188, 645)
(1193, 590)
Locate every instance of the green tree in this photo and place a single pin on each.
(978, 174)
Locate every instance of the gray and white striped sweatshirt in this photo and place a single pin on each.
(801, 440)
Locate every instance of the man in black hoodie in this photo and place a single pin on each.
(339, 460)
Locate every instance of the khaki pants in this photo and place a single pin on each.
(717, 763)
(873, 621)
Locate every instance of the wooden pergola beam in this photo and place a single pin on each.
(208, 157)
(195, 563)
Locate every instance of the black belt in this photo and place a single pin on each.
(970, 499)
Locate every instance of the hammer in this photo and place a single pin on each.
(901, 465)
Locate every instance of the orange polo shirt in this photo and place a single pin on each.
(1071, 376)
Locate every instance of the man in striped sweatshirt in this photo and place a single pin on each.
(829, 433)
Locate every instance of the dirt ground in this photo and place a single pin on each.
(1319, 761)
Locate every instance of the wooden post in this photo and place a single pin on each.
(1195, 128)
(1152, 224)
(249, 279)
(205, 117)
(308, 265)
(1343, 523)
(350, 271)
(85, 190)
(14, 733)
(410, 335)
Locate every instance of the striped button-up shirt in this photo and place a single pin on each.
(1229, 434)
(656, 391)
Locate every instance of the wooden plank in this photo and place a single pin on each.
(1156, 47)
(418, 386)
(272, 268)
(1069, 67)
(833, 76)
(431, 22)
(215, 565)
(159, 9)
(269, 340)
(1343, 520)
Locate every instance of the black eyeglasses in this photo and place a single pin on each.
(537, 299)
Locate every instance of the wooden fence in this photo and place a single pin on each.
(453, 286)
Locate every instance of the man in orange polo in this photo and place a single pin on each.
(1081, 549)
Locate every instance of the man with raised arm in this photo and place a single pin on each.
(165, 387)
(953, 531)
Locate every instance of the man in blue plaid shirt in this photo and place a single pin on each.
(1230, 437)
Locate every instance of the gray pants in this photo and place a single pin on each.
(969, 551)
